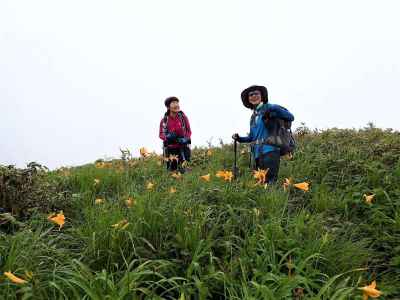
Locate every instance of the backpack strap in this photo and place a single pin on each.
(183, 121)
(165, 124)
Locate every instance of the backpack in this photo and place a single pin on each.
(280, 134)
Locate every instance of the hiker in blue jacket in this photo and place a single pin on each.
(266, 156)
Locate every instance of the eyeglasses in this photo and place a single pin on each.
(255, 93)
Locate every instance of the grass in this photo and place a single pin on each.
(218, 239)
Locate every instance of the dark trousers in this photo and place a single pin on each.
(183, 154)
(270, 161)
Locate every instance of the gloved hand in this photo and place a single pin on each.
(235, 136)
(171, 137)
(183, 141)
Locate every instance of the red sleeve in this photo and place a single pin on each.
(161, 134)
(188, 130)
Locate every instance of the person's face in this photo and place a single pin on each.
(255, 97)
(174, 107)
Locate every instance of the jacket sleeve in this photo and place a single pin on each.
(280, 112)
(161, 133)
(188, 133)
(247, 139)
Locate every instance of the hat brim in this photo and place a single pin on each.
(245, 95)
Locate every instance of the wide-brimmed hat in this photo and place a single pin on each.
(245, 95)
(168, 101)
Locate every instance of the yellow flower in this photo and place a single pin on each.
(172, 190)
(287, 183)
(290, 266)
(100, 165)
(206, 177)
(209, 152)
(58, 219)
(226, 175)
(150, 185)
(260, 175)
(98, 201)
(14, 278)
(130, 202)
(304, 186)
(288, 156)
(29, 274)
(220, 174)
(121, 224)
(176, 175)
(64, 171)
(132, 163)
(144, 152)
(370, 291)
(368, 199)
(173, 157)
(96, 181)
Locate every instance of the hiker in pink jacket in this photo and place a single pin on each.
(175, 133)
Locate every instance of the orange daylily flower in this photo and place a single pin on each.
(172, 190)
(121, 224)
(287, 183)
(173, 157)
(226, 175)
(132, 163)
(130, 202)
(304, 186)
(14, 278)
(58, 219)
(260, 175)
(176, 175)
(98, 201)
(289, 156)
(368, 198)
(206, 177)
(370, 291)
(220, 174)
(144, 152)
(100, 165)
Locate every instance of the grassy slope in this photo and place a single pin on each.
(217, 240)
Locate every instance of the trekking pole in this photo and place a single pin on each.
(235, 168)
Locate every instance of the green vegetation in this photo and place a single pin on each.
(210, 239)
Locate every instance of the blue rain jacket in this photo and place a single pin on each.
(258, 130)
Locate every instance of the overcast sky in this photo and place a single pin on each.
(80, 79)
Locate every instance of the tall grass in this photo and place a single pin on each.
(218, 239)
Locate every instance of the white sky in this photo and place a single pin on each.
(80, 79)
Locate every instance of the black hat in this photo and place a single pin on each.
(168, 101)
(245, 95)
